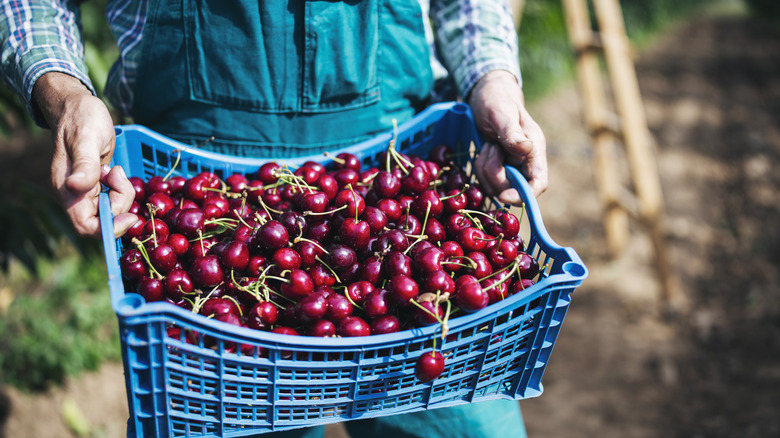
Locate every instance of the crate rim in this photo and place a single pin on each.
(131, 305)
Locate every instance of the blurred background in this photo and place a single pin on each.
(709, 74)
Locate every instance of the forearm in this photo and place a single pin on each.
(38, 37)
(475, 37)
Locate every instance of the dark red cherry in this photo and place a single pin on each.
(352, 326)
(402, 288)
(385, 324)
(378, 302)
(151, 289)
(322, 328)
(339, 307)
(299, 285)
(206, 271)
(429, 366)
(266, 173)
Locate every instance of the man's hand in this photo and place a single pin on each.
(511, 137)
(84, 140)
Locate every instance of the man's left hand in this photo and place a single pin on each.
(511, 137)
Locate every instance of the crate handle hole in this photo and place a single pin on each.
(131, 302)
(574, 269)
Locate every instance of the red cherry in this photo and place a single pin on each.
(358, 291)
(339, 307)
(429, 201)
(438, 281)
(177, 283)
(353, 326)
(139, 187)
(235, 256)
(298, 286)
(377, 303)
(272, 236)
(266, 173)
(321, 276)
(385, 324)
(402, 288)
(328, 185)
(527, 265)
(470, 297)
(133, 264)
(416, 181)
(426, 317)
(179, 243)
(312, 307)
(429, 366)
(397, 263)
(286, 259)
(163, 258)
(391, 208)
(206, 271)
(386, 185)
(151, 289)
(191, 222)
(354, 233)
(322, 328)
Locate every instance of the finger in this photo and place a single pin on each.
(494, 171)
(82, 210)
(121, 192)
(510, 196)
(122, 223)
(515, 141)
(84, 152)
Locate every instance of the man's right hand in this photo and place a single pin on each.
(84, 140)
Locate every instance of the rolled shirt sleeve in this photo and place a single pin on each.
(38, 37)
(474, 37)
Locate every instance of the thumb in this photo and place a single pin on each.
(84, 158)
(515, 142)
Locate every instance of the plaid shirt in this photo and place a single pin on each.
(468, 39)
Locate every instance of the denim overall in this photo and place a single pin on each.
(280, 79)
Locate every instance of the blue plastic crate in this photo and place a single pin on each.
(181, 389)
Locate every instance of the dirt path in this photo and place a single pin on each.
(712, 95)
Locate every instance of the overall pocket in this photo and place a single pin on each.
(282, 56)
(341, 54)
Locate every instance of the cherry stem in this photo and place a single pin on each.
(328, 268)
(152, 210)
(462, 191)
(335, 158)
(355, 200)
(145, 255)
(422, 236)
(466, 212)
(471, 265)
(511, 267)
(175, 164)
(346, 294)
(204, 142)
(299, 239)
(311, 213)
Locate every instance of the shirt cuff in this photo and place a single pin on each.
(35, 63)
(468, 73)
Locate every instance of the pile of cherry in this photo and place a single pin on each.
(338, 251)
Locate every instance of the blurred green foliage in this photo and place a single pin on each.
(546, 57)
(56, 327)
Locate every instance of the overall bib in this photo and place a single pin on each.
(277, 78)
(280, 79)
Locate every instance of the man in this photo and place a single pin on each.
(275, 79)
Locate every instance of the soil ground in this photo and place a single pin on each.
(622, 368)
